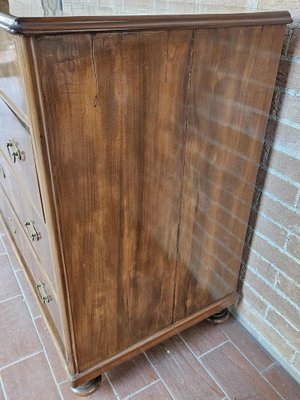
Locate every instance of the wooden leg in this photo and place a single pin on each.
(87, 388)
(219, 317)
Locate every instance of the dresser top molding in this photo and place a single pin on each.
(23, 18)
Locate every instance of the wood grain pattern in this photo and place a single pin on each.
(13, 128)
(162, 175)
(26, 212)
(147, 145)
(11, 83)
(33, 271)
(228, 108)
(128, 192)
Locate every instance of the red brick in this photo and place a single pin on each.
(254, 300)
(295, 44)
(278, 187)
(288, 75)
(262, 267)
(277, 301)
(270, 230)
(290, 333)
(289, 288)
(285, 164)
(270, 335)
(284, 263)
(289, 108)
(293, 246)
(277, 212)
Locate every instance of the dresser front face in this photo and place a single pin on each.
(21, 206)
(154, 141)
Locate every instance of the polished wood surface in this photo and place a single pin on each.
(35, 26)
(139, 148)
(12, 128)
(28, 260)
(26, 212)
(162, 163)
(11, 83)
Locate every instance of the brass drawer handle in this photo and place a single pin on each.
(13, 150)
(44, 297)
(32, 231)
(2, 171)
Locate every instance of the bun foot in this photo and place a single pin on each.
(219, 317)
(87, 388)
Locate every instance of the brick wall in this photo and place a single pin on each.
(270, 306)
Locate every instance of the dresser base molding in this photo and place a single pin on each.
(155, 339)
(87, 388)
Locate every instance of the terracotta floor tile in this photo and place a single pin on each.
(18, 336)
(32, 304)
(182, 373)
(55, 361)
(8, 285)
(104, 392)
(283, 383)
(238, 378)
(14, 261)
(30, 379)
(157, 391)
(203, 337)
(247, 344)
(132, 376)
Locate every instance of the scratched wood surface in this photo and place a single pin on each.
(153, 140)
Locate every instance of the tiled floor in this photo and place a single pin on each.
(205, 362)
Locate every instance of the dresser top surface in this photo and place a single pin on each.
(54, 16)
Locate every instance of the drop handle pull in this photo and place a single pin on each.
(13, 150)
(43, 295)
(32, 231)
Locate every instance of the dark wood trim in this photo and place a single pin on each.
(153, 340)
(53, 25)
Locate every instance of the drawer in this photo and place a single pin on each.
(32, 224)
(16, 146)
(11, 82)
(45, 292)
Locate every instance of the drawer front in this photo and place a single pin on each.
(16, 146)
(46, 294)
(32, 224)
(11, 82)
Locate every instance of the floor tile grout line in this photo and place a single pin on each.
(3, 389)
(274, 364)
(202, 364)
(254, 340)
(20, 360)
(257, 370)
(215, 348)
(158, 374)
(112, 386)
(39, 337)
(12, 298)
(47, 358)
(142, 389)
(7, 253)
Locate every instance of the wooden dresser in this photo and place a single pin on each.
(129, 150)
